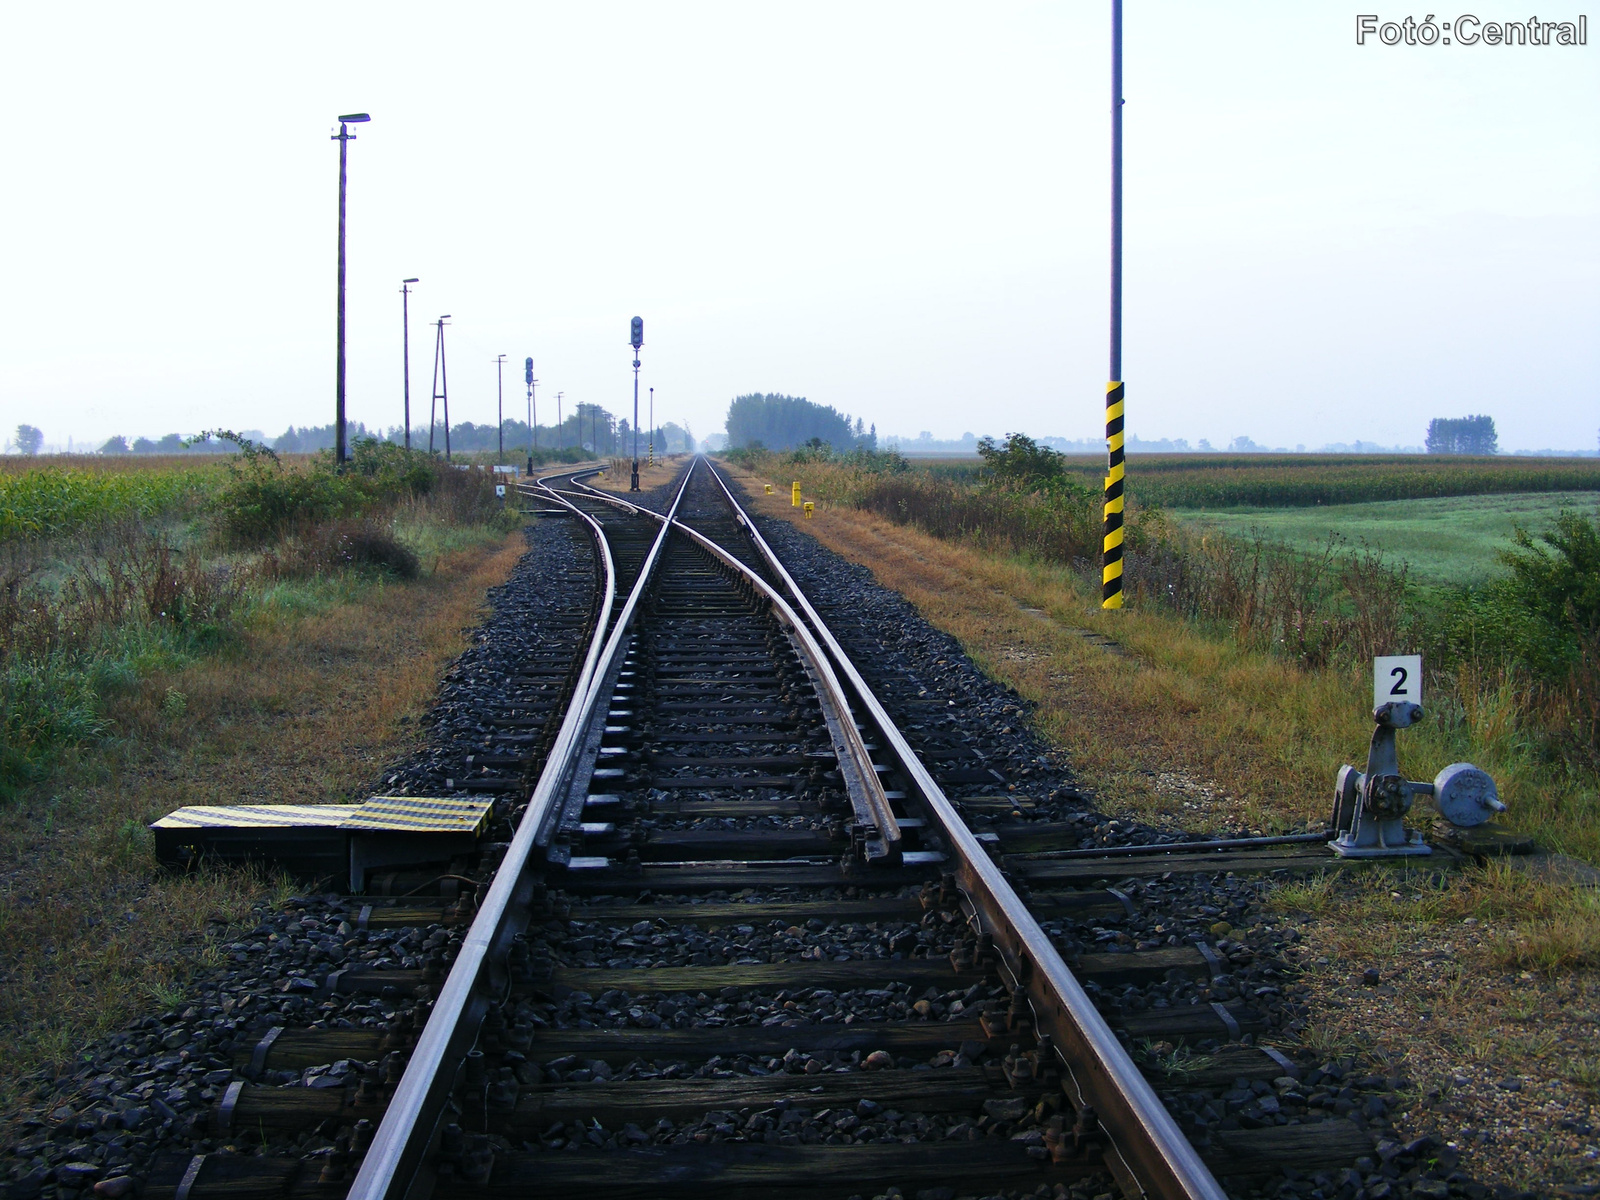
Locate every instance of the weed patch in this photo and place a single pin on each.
(302, 706)
(87, 617)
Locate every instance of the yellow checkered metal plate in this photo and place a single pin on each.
(260, 816)
(420, 814)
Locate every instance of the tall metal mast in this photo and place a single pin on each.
(1111, 563)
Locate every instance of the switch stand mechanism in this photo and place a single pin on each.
(1369, 807)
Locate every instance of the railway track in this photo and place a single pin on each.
(740, 937)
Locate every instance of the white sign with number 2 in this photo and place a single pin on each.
(1396, 677)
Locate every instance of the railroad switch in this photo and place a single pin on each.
(1369, 807)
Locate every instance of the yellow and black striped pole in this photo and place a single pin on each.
(1111, 562)
(1111, 566)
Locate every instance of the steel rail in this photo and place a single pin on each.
(395, 1165)
(1179, 848)
(880, 813)
(1155, 1157)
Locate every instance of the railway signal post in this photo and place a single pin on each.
(1111, 563)
(344, 137)
(652, 427)
(636, 340)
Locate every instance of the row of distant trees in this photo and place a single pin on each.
(1462, 435)
(589, 427)
(172, 443)
(784, 422)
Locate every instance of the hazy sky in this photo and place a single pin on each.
(899, 209)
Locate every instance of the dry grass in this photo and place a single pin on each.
(304, 709)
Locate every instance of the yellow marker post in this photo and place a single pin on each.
(1111, 562)
(810, 508)
(1111, 568)
(768, 486)
(794, 496)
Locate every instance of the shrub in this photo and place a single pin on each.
(1538, 619)
(1022, 460)
(45, 707)
(349, 545)
(387, 469)
(265, 501)
(1563, 587)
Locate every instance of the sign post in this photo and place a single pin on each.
(1396, 677)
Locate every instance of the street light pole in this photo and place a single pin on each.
(344, 137)
(533, 413)
(1111, 562)
(500, 401)
(405, 322)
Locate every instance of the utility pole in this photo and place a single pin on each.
(560, 435)
(533, 412)
(1111, 563)
(500, 403)
(344, 137)
(405, 322)
(652, 427)
(636, 340)
(441, 390)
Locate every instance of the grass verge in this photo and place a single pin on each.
(322, 684)
(1479, 993)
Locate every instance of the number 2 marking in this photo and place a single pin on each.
(1399, 689)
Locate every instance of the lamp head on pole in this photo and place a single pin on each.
(355, 119)
(413, 279)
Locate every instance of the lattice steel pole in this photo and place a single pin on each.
(1111, 563)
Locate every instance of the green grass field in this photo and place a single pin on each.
(1449, 540)
(1216, 481)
